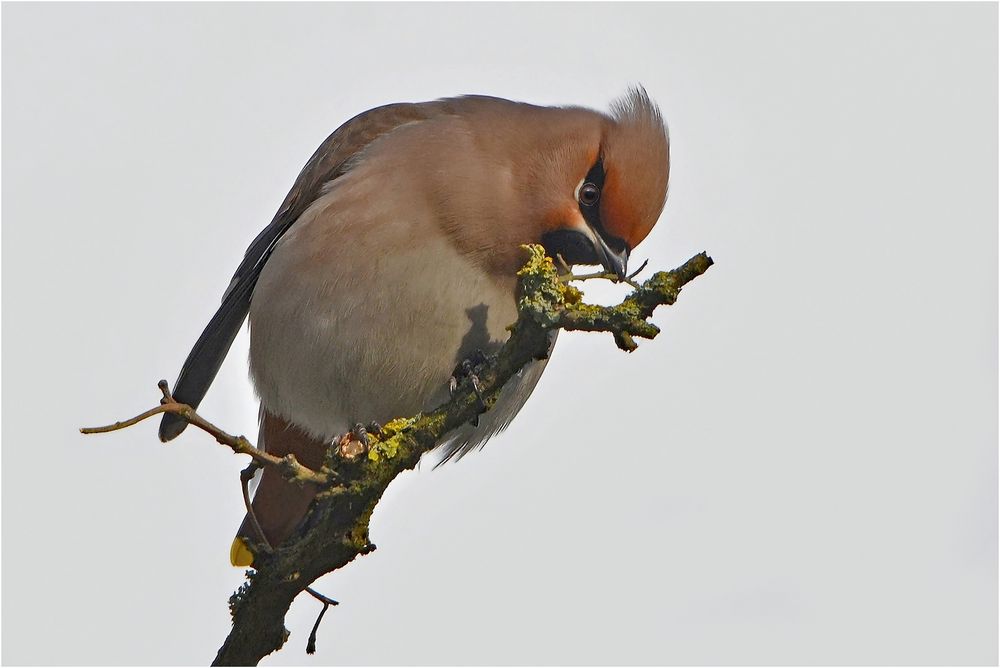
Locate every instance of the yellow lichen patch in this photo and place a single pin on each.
(571, 295)
(541, 292)
(395, 426)
(384, 449)
(386, 445)
(358, 536)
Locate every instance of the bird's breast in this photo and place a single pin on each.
(363, 311)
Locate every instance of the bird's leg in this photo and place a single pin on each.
(467, 369)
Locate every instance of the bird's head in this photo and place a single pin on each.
(588, 186)
(605, 192)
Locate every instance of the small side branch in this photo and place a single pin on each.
(630, 318)
(288, 465)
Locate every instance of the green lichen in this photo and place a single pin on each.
(358, 535)
(387, 445)
(571, 295)
(592, 312)
(397, 426)
(542, 294)
(383, 450)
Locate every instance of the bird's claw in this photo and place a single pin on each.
(466, 369)
(360, 434)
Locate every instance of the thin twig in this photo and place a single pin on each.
(568, 274)
(163, 408)
(567, 270)
(289, 466)
(639, 270)
(326, 600)
(601, 274)
(311, 643)
(246, 475)
(164, 386)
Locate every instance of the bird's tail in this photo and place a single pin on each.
(278, 505)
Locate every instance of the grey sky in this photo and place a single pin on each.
(801, 469)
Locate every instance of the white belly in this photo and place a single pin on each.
(360, 320)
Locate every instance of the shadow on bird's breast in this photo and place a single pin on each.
(477, 337)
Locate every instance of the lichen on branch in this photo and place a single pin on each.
(335, 530)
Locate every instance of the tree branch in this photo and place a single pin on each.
(335, 531)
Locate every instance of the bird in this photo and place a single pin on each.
(393, 258)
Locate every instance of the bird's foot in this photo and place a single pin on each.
(355, 442)
(466, 370)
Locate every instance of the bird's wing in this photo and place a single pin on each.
(492, 422)
(331, 160)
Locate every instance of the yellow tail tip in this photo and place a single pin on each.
(239, 554)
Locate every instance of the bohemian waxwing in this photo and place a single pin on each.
(393, 258)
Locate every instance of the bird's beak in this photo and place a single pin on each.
(613, 261)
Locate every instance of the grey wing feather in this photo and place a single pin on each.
(203, 362)
(512, 398)
(329, 161)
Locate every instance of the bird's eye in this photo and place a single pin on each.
(589, 194)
